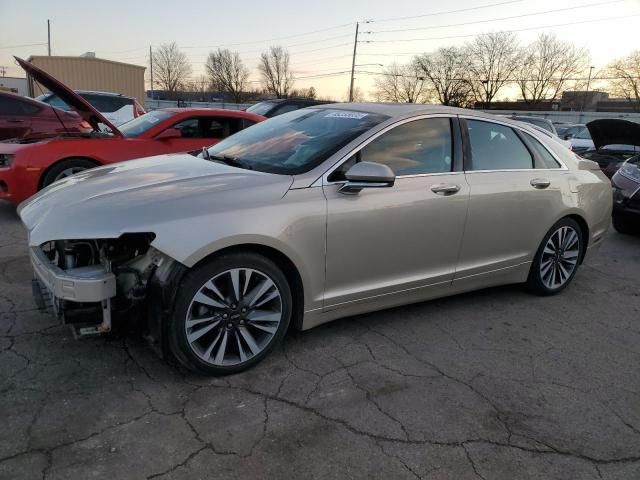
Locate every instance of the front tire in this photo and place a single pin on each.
(230, 313)
(557, 259)
(621, 224)
(66, 168)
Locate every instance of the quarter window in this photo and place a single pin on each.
(418, 147)
(496, 147)
(544, 159)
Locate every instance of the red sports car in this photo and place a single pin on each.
(22, 117)
(27, 166)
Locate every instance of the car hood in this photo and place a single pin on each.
(144, 195)
(614, 131)
(75, 101)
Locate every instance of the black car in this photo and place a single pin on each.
(272, 108)
(614, 141)
(626, 196)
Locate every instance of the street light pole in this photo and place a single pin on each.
(586, 93)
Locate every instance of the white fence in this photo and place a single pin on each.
(570, 117)
(156, 104)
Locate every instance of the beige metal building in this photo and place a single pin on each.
(90, 73)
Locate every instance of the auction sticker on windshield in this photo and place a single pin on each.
(353, 115)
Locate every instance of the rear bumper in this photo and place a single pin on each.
(85, 284)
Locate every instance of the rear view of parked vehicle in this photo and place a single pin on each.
(311, 216)
(24, 118)
(626, 196)
(116, 108)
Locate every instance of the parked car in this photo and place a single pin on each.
(272, 108)
(25, 118)
(116, 108)
(626, 196)
(614, 141)
(538, 121)
(29, 166)
(579, 137)
(544, 131)
(314, 215)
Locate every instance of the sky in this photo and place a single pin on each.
(319, 35)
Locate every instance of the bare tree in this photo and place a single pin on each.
(227, 73)
(548, 67)
(401, 83)
(493, 60)
(445, 70)
(625, 78)
(277, 78)
(171, 67)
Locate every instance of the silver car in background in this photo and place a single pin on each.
(311, 216)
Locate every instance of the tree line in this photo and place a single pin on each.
(476, 72)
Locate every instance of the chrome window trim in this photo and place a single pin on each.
(324, 179)
(531, 132)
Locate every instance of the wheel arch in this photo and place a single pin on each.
(584, 227)
(66, 159)
(288, 267)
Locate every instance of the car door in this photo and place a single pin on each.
(198, 132)
(387, 240)
(515, 196)
(15, 117)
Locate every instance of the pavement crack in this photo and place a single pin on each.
(472, 463)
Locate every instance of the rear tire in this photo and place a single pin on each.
(557, 259)
(230, 313)
(65, 169)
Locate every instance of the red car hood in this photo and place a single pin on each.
(75, 101)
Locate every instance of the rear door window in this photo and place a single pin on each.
(496, 147)
(543, 159)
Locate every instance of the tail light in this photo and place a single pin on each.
(137, 109)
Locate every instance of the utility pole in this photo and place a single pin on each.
(49, 37)
(3, 70)
(353, 63)
(151, 64)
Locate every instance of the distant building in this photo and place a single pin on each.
(14, 84)
(571, 101)
(89, 73)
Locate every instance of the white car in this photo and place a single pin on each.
(116, 108)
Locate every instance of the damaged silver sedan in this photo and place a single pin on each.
(311, 216)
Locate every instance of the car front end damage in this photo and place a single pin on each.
(91, 283)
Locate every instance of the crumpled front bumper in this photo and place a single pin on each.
(84, 284)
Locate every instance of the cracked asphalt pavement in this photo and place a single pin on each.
(496, 384)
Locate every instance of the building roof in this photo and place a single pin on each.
(83, 59)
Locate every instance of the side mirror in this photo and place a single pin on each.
(367, 175)
(168, 134)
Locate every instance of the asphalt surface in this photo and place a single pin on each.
(497, 384)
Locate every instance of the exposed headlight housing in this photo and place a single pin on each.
(630, 170)
(6, 159)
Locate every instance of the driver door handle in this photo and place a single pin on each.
(445, 188)
(540, 183)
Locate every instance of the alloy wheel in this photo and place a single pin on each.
(559, 257)
(67, 172)
(233, 317)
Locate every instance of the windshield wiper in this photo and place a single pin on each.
(231, 161)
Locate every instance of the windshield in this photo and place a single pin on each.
(137, 126)
(583, 134)
(261, 108)
(536, 122)
(295, 142)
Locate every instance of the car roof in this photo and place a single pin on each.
(222, 112)
(403, 110)
(531, 117)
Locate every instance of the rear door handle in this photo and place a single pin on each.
(445, 188)
(540, 183)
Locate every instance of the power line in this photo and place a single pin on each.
(503, 31)
(24, 45)
(542, 12)
(446, 12)
(570, 79)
